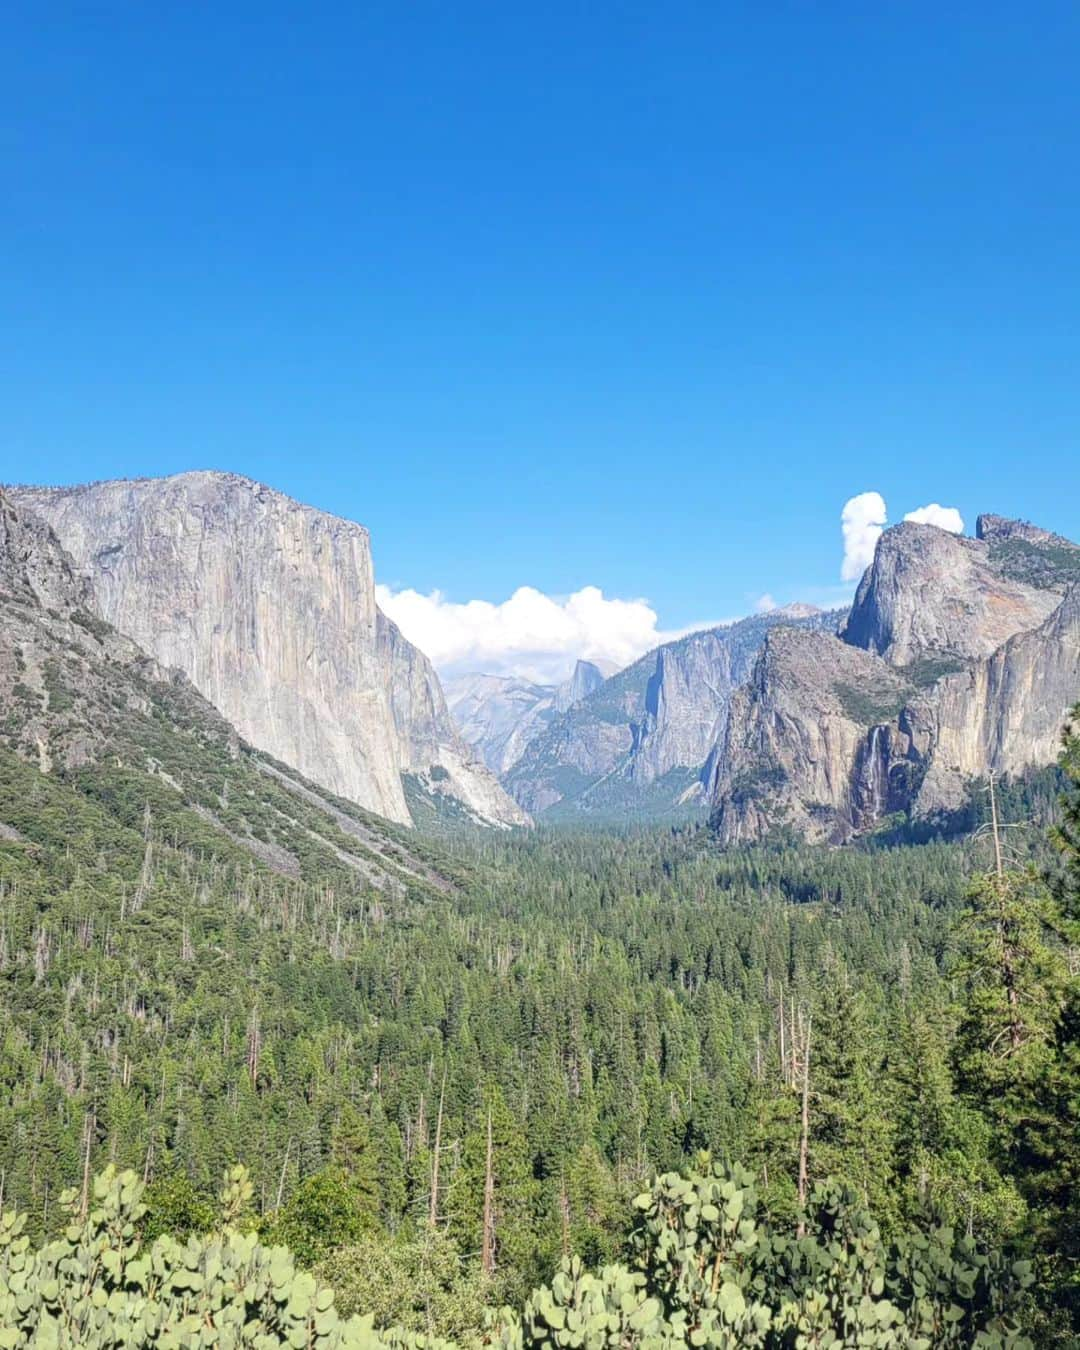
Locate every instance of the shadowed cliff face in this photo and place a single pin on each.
(269, 608)
(639, 743)
(932, 593)
(960, 658)
(499, 715)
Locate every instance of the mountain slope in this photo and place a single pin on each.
(932, 593)
(638, 745)
(269, 608)
(960, 659)
(90, 710)
(500, 714)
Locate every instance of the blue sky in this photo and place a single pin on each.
(619, 296)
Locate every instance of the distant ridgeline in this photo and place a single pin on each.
(958, 660)
(636, 747)
(268, 608)
(457, 1062)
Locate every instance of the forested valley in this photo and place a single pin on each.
(434, 1095)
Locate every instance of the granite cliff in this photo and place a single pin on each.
(88, 708)
(268, 607)
(959, 660)
(639, 744)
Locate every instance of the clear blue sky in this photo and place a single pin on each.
(612, 294)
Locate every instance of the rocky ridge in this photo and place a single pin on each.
(268, 607)
(639, 745)
(960, 659)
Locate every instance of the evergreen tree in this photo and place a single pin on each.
(353, 1152)
(1014, 978)
(850, 1132)
(1066, 834)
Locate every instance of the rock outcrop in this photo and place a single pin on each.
(800, 748)
(499, 715)
(638, 745)
(268, 607)
(932, 594)
(960, 659)
(81, 700)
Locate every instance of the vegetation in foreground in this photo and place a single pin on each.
(702, 1269)
(477, 1085)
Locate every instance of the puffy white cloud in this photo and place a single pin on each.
(861, 522)
(864, 518)
(944, 517)
(530, 634)
(765, 603)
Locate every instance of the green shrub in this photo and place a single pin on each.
(99, 1285)
(705, 1269)
(325, 1212)
(419, 1283)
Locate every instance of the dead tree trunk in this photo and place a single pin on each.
(433, 1209)
(804, 1135)
(487, 1246)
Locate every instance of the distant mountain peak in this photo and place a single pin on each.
(797, 609)
(268, 606)
(991, 527)
(587, 676)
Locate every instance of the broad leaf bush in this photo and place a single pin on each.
(704, 1268)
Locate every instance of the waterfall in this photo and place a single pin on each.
(877, 786)
(874, 776)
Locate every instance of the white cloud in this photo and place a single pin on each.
(530, 634)
(944, 517)
(764, 603)
(861, 522)
(864, 518)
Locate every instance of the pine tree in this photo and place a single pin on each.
(1066, 835)
(850, 1133)
(1014, 977)
(353, 1151)
(496, 1184)
(942, 1145)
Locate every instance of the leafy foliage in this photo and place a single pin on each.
(99, 1285)
(705, 1271)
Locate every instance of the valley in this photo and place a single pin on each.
(454, 996)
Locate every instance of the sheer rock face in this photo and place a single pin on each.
(932, 593)
(269, 608)
(498, 715)
(430, 745)
(961, 658)
(641, 741)
(1003, 714)
(796, 751)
